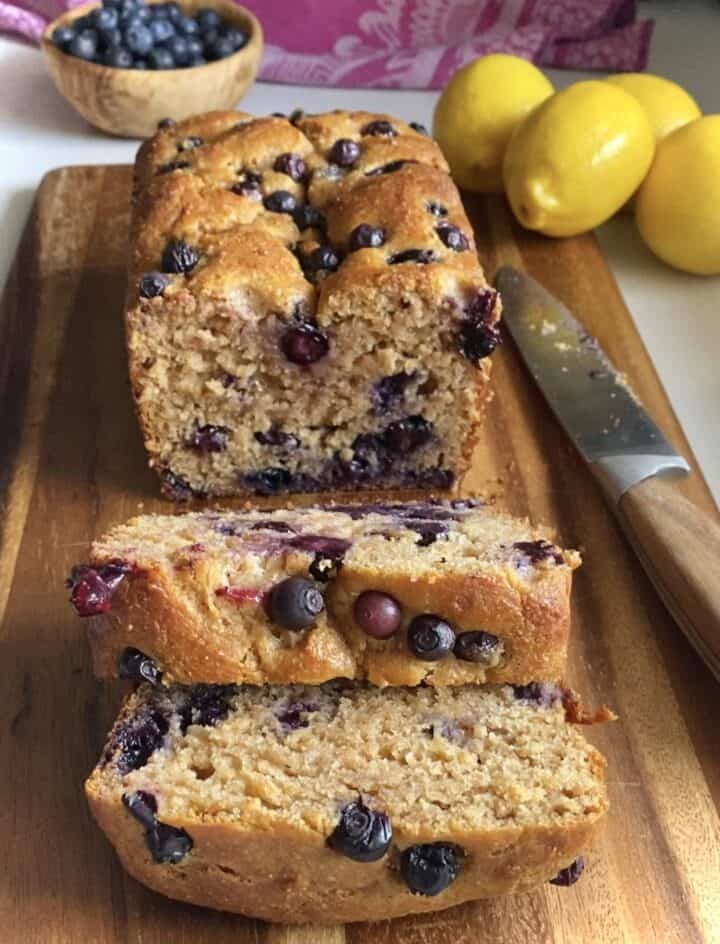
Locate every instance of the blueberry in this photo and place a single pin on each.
(430, 638)
(208, 37)
(63, 36)
(295, 603)
(321, 259)
(476, 646)
(178, 256)
(304, 344)
(430, 868)
(571, 874)
(280, 201)
(142, 805)
(171, 166)
(329, 554)
(139, 39)
(207, 19)
(453, 238)
(344, 152)
(208, 438)
(249, 185)
(362, 834)
(160, 58)
(539, 551)
(422, 256)
(206, 705)
(377, 614)
(307, 217)
(235, 36)
(178, 46)
(428, 531)
(161, 30)
(138, 739)
(165, 123)
(389, 391)
(542, 694)
(173, 12)
(408, 434)
(110, 38)
(140, 64)
(421, 129)
(387, 168)
(186, 26)
(268, 481)
(476, 338)
(365, 236)
(197, 61)
(276, 437)
(168, 844)
(291, 164)
(191, 142)
(84, 45)
(379, 128)
(219, 48)
(111, 4)
(92, 588)
(195, 48)
(104, 18)
(118, 58)
(135, 665)
(437, 209)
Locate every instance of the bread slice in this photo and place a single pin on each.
(306, 309)
(442, 593)
(345, 802)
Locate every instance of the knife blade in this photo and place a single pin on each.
(678, 545)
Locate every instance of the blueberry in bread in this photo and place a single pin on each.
(344, 802)
(443, 593)
(306, 309)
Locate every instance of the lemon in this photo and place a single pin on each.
(478, 111)
(577, 158)
(668, 106)
(678, 204)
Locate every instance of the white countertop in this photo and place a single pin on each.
(678, 315)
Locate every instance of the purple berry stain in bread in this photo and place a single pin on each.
(276, 437)
(571, 874)
(206, 705)
(295, 603)
(208, 438)
(377, 614)
(267, 481)
(388, 392)
(92, 588)
(177, 487)
(408, 434)
(430, 868)
(344, 152)
(477, 338)
(430, 638)
(291, 164)
(179, 257)
(542, 694)
(538, 551)
(137, 739)
(138, 667)
(362, 834)
(293, 716)
(304, 344)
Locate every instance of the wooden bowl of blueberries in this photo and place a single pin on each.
(127, 64)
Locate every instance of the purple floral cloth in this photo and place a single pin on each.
(415, 43)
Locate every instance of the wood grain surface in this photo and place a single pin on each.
(71, 465)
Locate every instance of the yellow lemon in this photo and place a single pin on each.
(577, 158)
(477, 112)
(668, 106)
(678, 204)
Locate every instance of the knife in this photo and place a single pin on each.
(677, 544)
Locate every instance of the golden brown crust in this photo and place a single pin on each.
(248, 262)
(295, 879)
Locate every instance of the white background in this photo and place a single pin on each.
(678, 315)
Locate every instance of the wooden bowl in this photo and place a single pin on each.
(130, 102)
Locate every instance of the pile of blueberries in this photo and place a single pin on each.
(130, 34)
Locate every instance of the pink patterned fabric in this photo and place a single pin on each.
(415, 43)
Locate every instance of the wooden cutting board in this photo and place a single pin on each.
(71, 465)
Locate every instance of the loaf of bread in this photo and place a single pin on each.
(306, 308)
(346, 802)
(441, 593)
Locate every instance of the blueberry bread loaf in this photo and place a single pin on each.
(443, 593)
(306, 308)
(345, 802)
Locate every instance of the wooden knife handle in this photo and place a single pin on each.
(679, 546)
